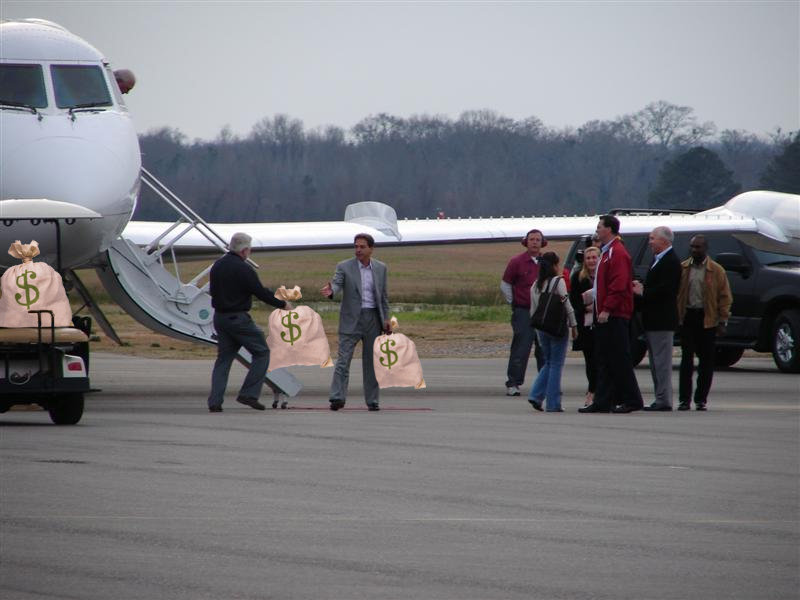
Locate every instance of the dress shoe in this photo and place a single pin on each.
(624, 409)
(214, 409)
(536, 405)
(337, 404)
(683, 405)
(373, 407)
(251, 402)
(593, 408)
(700, 406)
(657, 408)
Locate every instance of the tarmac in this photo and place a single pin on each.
(454, 492)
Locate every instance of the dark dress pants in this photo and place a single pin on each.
(616, 382)
(522, 341)
(235, 330)
(700, 341)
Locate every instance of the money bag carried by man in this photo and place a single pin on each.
(396, 361)
(32, 286)
(296, 336)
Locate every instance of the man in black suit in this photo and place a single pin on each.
(658, 301)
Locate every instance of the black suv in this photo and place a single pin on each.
(765, 282)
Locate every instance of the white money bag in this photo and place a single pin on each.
(296, 337)
(32, 286)
(395, 360)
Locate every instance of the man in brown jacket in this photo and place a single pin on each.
(704, 304)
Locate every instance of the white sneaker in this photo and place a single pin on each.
(512, 391)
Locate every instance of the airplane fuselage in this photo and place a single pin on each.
(66, 136)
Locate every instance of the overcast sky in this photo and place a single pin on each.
(203, 65)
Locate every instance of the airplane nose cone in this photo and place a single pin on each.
(72, 170)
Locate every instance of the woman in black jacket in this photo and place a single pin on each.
(580, 295)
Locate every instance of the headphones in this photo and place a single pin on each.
(525, 239)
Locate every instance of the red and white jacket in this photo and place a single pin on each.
(615, 282)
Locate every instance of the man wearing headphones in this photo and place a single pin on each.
(518, 278)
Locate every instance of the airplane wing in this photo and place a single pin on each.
(379, 221)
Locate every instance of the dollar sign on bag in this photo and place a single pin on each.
(287, 322)
(389, 354)
(24, 285)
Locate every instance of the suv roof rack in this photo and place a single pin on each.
(653, 212)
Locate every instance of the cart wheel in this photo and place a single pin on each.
(67, 410)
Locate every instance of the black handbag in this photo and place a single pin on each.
(550, 315)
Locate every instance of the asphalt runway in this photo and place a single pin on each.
(454, 492)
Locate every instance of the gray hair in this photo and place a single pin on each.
(665, 232)
(240, 241)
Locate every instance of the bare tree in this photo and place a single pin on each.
(380, 127)
(667, 125)
(745, 154)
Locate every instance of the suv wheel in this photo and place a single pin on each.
(727, 356)
(786, 341)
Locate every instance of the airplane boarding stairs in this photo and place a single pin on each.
(139, 281)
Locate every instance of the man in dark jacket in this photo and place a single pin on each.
(233, 284)
(617, 386)
(658, 301)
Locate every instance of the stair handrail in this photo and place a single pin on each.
(188, 217)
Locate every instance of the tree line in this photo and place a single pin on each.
(481, 164)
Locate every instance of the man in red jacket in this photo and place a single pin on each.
(617, 388)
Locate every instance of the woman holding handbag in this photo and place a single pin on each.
(580, 295)
(551, 313)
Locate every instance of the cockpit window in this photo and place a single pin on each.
(80, 86)
(22, 85)
(115, 88)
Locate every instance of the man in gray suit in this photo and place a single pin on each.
(657, 299)
(363, 316)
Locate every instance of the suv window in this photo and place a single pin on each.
(635, 245)
(722, 242)
(717, 244)
(775, 258)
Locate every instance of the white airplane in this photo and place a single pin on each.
(67, 137)
(69, 152)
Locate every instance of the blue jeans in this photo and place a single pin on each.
(548, 382)
(235, 330)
